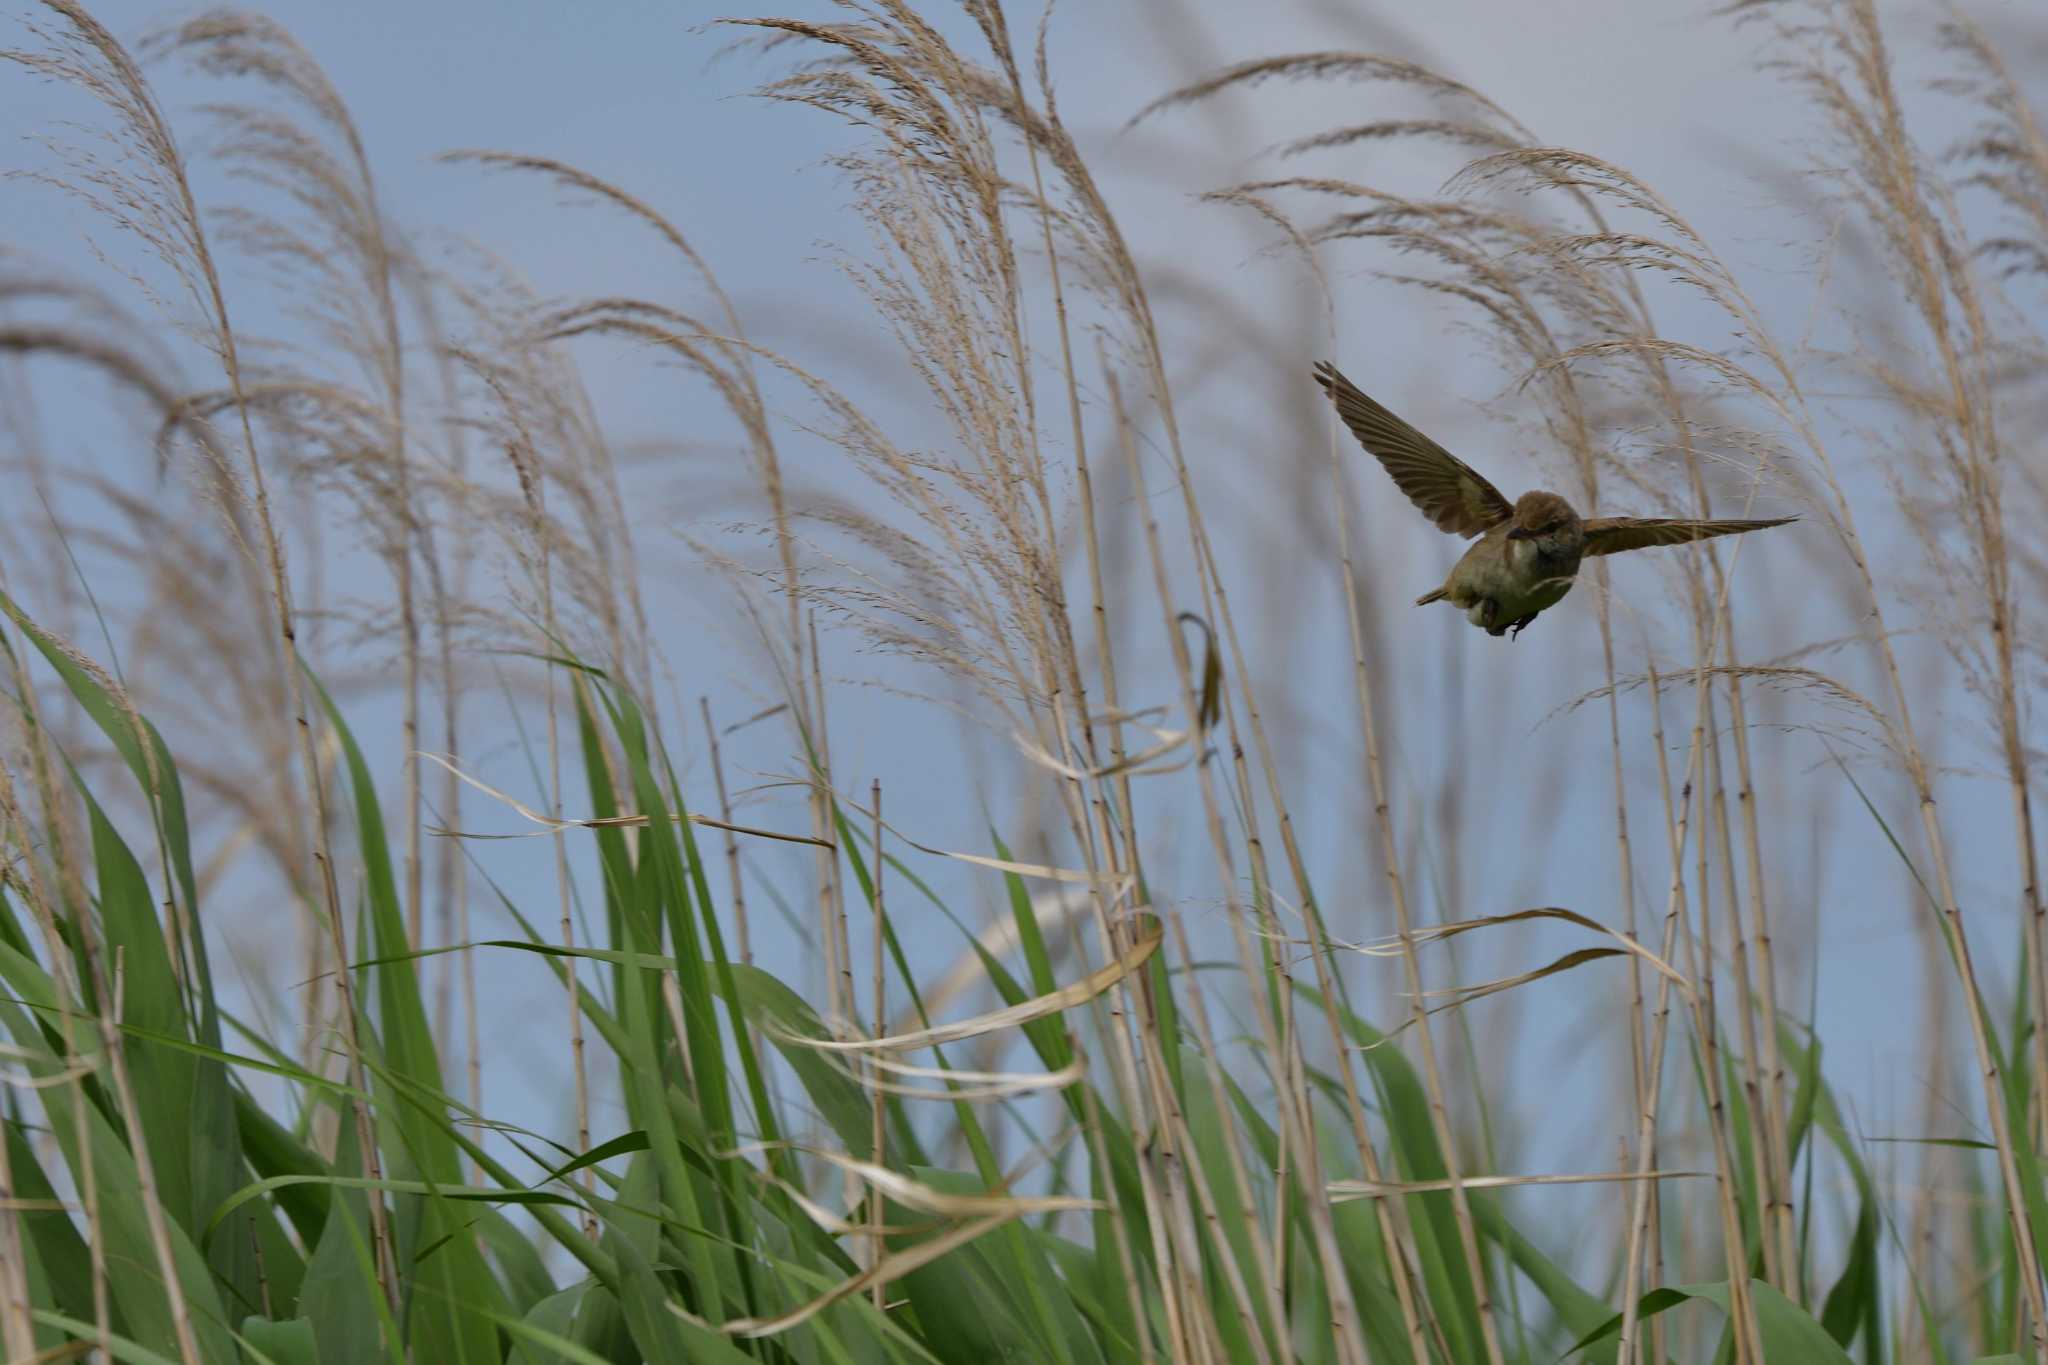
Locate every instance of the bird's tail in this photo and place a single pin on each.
(1433, 595)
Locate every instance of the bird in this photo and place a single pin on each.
(1529, 550)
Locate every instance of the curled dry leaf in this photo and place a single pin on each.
(923, 1198)
(1437, 932)
(1135, 764)
(1052, 910)
(966, 1085)
(21, 1080)
(1080, 993)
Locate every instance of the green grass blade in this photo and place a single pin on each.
(446, 1317)
(1790, 1336)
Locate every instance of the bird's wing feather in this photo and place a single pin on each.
(1452, 494)
(1612, 535)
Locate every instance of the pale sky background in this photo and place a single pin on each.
(630, 92)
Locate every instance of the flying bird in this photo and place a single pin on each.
(1529, 550)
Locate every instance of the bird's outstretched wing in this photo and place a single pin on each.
(1450, 492)
(1612, 535)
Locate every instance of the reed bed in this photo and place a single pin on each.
(404, 960)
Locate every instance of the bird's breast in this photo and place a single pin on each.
(1517, 574)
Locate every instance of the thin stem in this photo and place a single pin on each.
(876, 1098)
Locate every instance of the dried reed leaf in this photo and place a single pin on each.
(914, 1194)
(1116, 887)
(891, 1267)
(963, 1085)
(1052, 910)
(1135, 764)
(1080, 993)
(1438, 932)
(1343, 1191)
(549, 824)
(1465, 995)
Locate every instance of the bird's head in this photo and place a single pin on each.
(1548, 520)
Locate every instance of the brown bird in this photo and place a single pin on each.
(1529, 550)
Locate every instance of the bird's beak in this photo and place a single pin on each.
(1520, 533)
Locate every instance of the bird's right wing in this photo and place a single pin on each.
(1612, 535)
(1450, 492)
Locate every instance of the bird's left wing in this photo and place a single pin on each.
(1612, 535)
(1451, 493)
